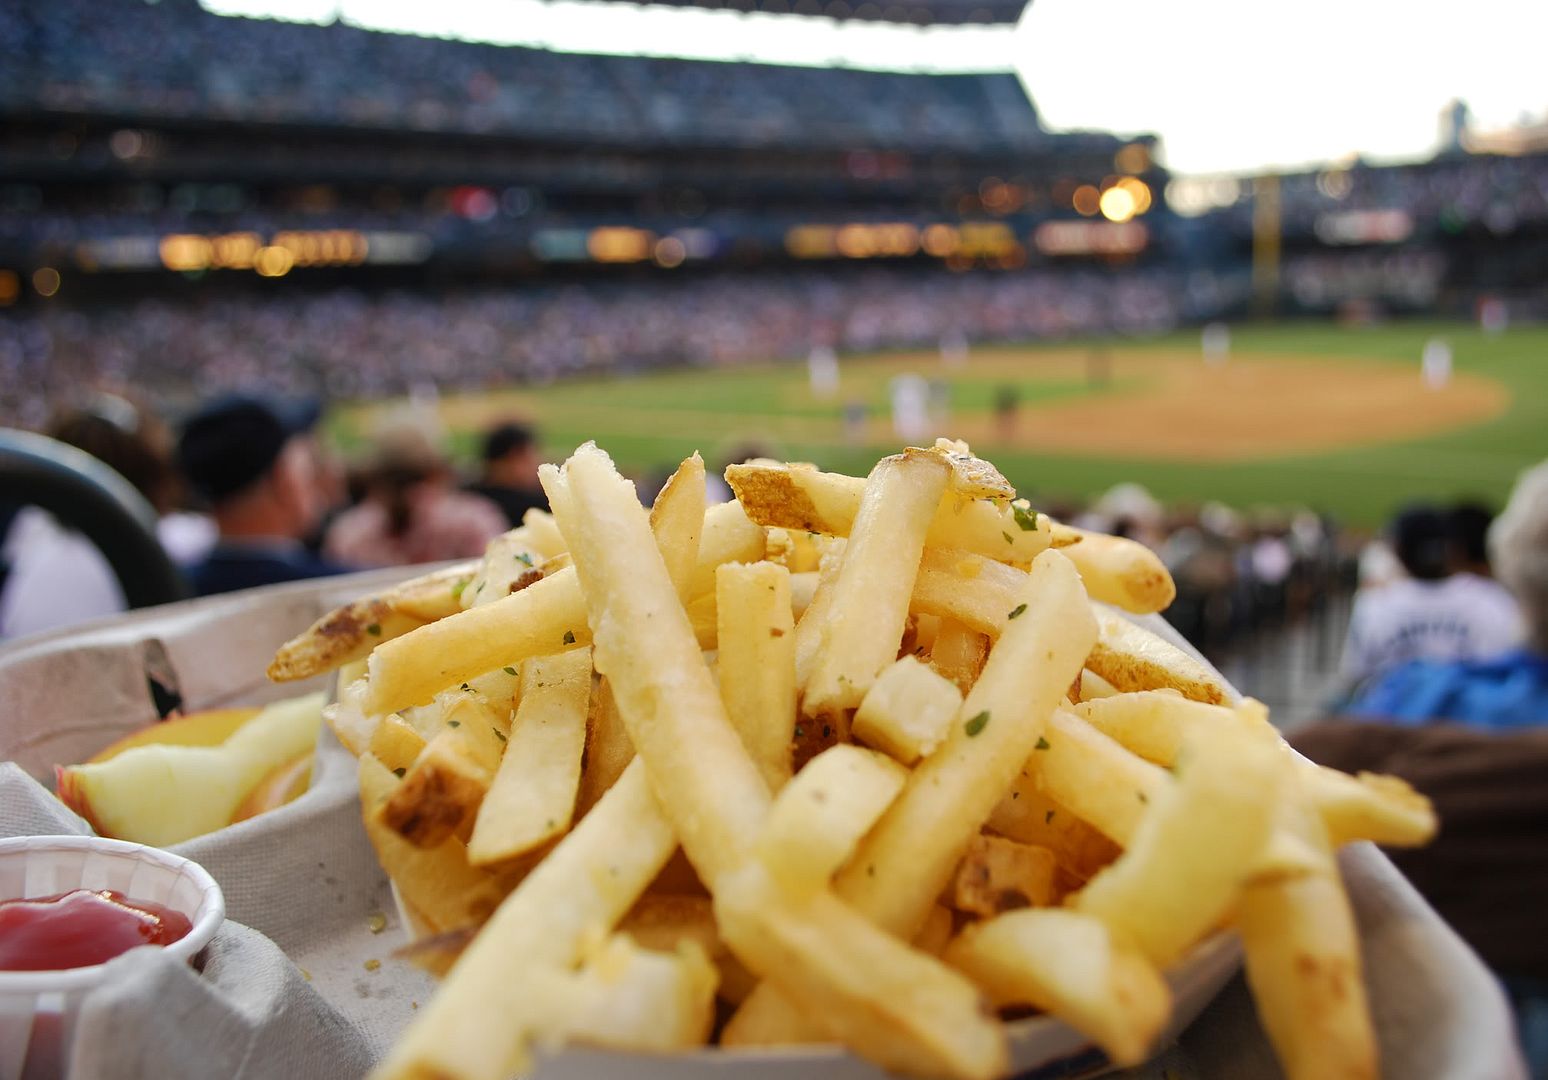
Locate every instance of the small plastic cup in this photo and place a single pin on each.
(38, 1008)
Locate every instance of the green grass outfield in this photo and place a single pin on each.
(650, 421)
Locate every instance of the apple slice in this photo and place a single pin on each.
(284, 782)
(164, 794)
(209, 728)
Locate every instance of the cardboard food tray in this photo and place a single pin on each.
(305, 875)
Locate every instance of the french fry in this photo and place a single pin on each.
(632, 998)
(608, 749)
(959, 653)
(821, 815)
(1154, 723)
(728, 536)
(908, 711)
(543, 532)
(1028, 815)
(971, 589)
(1072, 966)
(437, 882)
(1118, 571)
(511, 563)
(800, 498)
(895, 1005)
(1132, 658)
(1384, 809)
(676, 519)
(349, 719)
(809, 628)
(1185, 865)
(395, 744)
(531, 799)
(1303, 964)
(803, 586)
(997, 875)
(756, 640)
(870, 599)
(480, 1024)
(1093, 686)
(442, 790)
(1092, 775)
(350, 632)
(536, 621)
(935, 934)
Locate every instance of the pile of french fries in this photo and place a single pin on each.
(870, 761)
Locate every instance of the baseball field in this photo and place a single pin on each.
(1312, 414)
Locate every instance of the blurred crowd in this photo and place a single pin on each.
(346, 344)
(174, 60)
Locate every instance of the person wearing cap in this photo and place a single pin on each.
(253, 461)
(1432, 613)
(510, 471)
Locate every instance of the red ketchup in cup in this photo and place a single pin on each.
(81, 928)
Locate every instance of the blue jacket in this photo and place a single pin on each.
(229, 567)
(1503, 692)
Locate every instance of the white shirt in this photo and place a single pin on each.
(1460, 617)
(58, 577)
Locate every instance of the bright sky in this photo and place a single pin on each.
(1227, 91)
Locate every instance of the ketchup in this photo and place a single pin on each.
(81, 928)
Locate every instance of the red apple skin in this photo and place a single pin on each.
(73, 795)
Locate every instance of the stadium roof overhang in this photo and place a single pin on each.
(916, 12)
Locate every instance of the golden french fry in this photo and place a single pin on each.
(676, 519)
(350, 632)
(1154, 723)
(997, 875)
(480, 1023)
(728, 536)
(756, 640)
(437, 882)
(809, 628)
(973, 590)
(908, 711)
(1095, 777)
(1303, 964)
(349, 719)
(631, 998)
(542, 618)
(544, 533)
(511, 562)
(1384, 809)
(1093, 686)
(800, 498)
(444, 787)
(1028, 815)
(958, 653)
(870, 599)
(803, 586)
(821, 815)
(897, 1006)
(1072, 966)
(531, 799)
(1118, 571)
(608, 749)
(1132, 658)
(1187, 860)
(395, 744)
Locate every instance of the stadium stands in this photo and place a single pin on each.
(175, 61)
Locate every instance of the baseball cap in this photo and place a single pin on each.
(229, 443)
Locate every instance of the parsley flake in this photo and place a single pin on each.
(508, 670)
(467, 688)
(454, 723)
(1008, 538)
(1017, 610)
(375, 629)
(399, 771)
(1042, 743)
(1142, 797)
(461, 583)
(569, 637)
(977, 724)
(1025, 516)
(499, 734)
(523, 558)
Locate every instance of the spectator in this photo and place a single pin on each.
(1432, 613)
(411, 512)
(1468, 525)
(56, 576)
(254, 462)
(510, 477)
